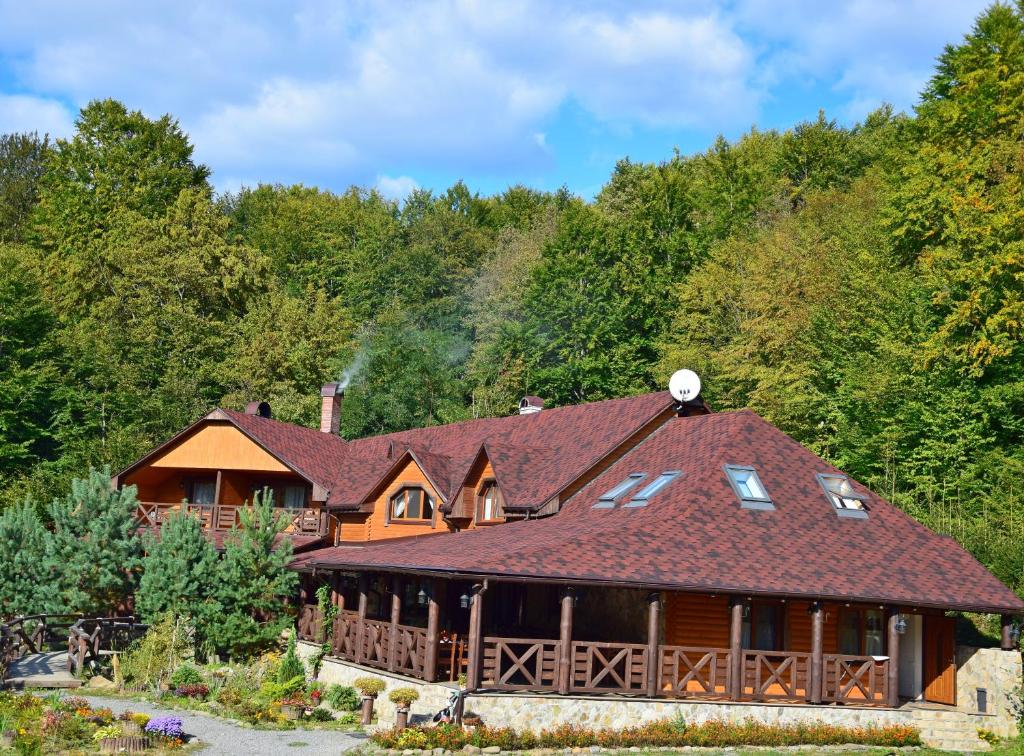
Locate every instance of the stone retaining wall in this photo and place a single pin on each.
(997, 672)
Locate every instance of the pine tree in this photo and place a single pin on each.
(95, 549)
(254, 582)
(25, 578)
(179, 574)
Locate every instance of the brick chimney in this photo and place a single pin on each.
(330, 407)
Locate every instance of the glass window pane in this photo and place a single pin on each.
(766, 628)
(488, 503)
(656, 485)
(398, 510)
(622, 487)
(873, 633)
(849, 632)
(203, 492)
(295, 497)
(428, 506)
(415, 499)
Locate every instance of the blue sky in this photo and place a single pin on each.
(403, 94)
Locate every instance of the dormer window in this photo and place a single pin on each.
(748, 487)
(490, 503)
(411, 504)
(840, 494)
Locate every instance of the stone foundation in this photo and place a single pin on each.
(998, 671)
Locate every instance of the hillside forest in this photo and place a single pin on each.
(862, 287)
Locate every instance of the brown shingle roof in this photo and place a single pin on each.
(695, 535)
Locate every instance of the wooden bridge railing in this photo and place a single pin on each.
(88, 638)
(32, 634)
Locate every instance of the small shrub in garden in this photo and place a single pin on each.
(107, 731)
(369, 686)
(403, 698)
(184, 675)
(342, 698)
(320, 715)
(412, 738)
(197, 691)
(291, 664)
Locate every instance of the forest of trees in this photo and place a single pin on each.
(862, 288)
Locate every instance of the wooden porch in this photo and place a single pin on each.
(433, 648)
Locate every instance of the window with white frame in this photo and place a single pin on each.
(747, 486)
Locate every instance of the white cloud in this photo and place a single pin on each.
(335, 93)
(396, 187)
(28, 113)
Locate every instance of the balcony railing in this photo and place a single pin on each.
(224, 517)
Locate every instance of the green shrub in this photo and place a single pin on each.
(184, 675)
(154, 657)
(369, 686)
(403, 697)
(342, 698)
(662, 734)
(320, 715)
(291, 664)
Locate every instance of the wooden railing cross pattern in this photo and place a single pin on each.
(679, 670)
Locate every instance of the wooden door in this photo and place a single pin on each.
(940, 659)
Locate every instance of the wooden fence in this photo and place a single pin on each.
(855, 679)
(89, 639)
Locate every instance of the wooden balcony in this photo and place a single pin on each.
(224, 517)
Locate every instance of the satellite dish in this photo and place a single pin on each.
(684, 385)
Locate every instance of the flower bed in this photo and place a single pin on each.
(665, 733)
(57, 724)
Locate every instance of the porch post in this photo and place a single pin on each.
(653, 643)
(216, 502)
(1006, 641)
(817, 658)
(565, 640)
(736, 649)
(396, 613)
(433, 619)
(337, 597)
(476, 645)
(893, 683)
(361, 610)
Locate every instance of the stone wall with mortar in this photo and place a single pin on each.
(996, 671)
(433, 696)
(540, 712)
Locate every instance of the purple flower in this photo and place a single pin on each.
(168, 727)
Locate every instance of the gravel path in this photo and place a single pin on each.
(222, 736)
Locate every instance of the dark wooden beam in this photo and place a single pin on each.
(396, 616)
(1006, 640)
(736, 649)
(817, 658)
(893, 683)
(433, 622)
(364, 589)
(653, 643)
(565, 640)
(476, 644)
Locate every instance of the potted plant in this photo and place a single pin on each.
(293, 707)
(316, 692)
(370, 688)
(402, 698)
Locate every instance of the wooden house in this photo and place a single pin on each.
(637, 546)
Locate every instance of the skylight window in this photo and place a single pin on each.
(839, 492)
(640, 498)
(607, 500)
(748, 487)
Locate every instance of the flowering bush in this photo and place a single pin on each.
(661, 734)
(170, 728)
(198, 690)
